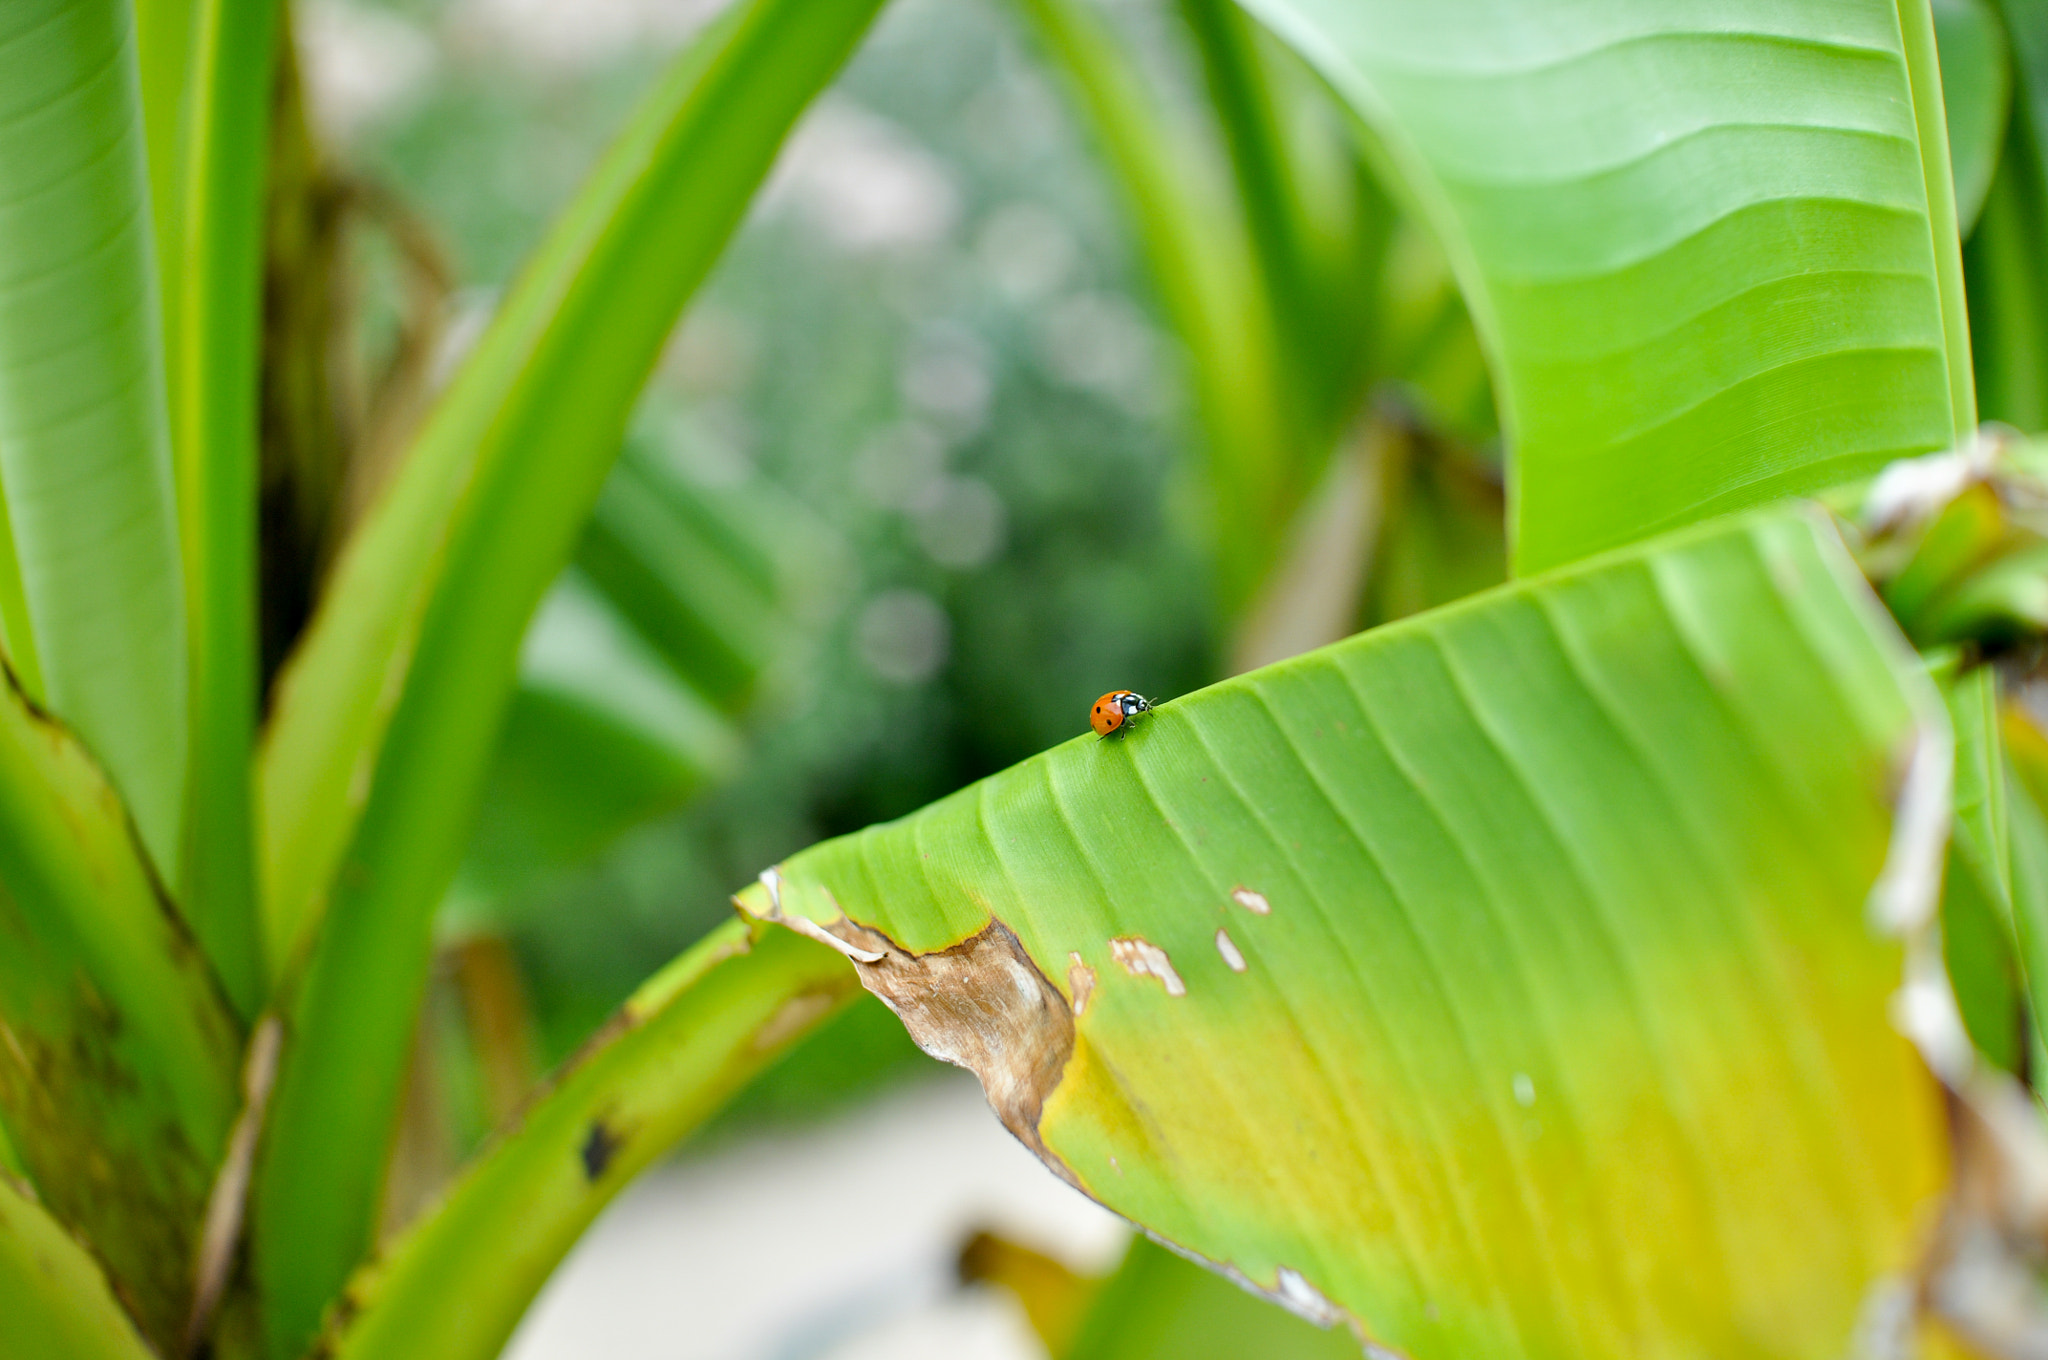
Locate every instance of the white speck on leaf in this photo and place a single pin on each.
(1253, 902)
(1142, 958)
(1525, 1090)
(1305, 1299)
(1227, 947)
(1080, 983)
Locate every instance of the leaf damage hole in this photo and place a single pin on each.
(1080, 983)
(1253, 902)
(1227, 947)
(1142, 958)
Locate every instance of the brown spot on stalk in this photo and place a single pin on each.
(600, 1145)
(1227, 947)
(1253, 902)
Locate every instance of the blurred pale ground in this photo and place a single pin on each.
(930, 347)
(831, 1243)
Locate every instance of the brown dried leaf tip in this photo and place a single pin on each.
(982, 1005)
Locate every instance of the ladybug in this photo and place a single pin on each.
(1116, 708)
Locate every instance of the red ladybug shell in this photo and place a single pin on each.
(1114, 709)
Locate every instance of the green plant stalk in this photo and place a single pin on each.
(84, 440)
(10, 1160)
(2026, 773)
(219, 322)
(1916, 26)
(687, 1040)
(1202, 271)
(1226, 39)
(16, 633)
(55, 1301)
(2008, 292)
(165, 33)
(486, 512)
(117, 1053)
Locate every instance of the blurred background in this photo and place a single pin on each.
(979, 417)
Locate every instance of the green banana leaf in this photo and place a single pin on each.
(1498, 982)
(1636, 195)
(386, 718)
(691, 572)
(84, 434)
(118, 1055)
(601, 736)
(687, 1040)
(1976, 92)
(1159, 1306)
(54, 1298)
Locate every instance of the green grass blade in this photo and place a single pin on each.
(84, 448)
(1203, 273)
(1634, 193)
(117, 1054)
(219, 326)
(54, 1298)
(1499, 980)
(690, 1037)
(422, 621)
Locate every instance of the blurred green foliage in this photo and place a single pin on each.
(926, 375)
